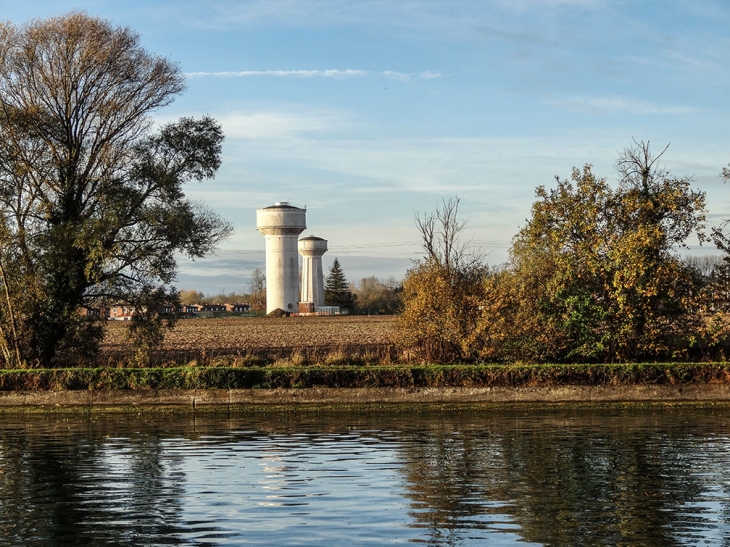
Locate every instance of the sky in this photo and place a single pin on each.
(370, 111)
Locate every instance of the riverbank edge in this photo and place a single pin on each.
(318, 396)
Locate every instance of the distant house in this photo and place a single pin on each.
(166, 309)
(213, 307)
(121, 312)
(125, 312)
(328, 310)
(93, 313)
(189, 309)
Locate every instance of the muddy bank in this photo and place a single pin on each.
(698, 393)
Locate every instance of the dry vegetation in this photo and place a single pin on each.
(261, 341)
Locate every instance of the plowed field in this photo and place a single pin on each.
(311, 338)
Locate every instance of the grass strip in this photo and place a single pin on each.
(401, 376)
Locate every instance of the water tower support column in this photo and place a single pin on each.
(312, 248)
(281, 223)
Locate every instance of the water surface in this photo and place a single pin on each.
(611, 476)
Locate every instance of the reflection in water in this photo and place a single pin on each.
(455, 477)
(576, 478)
(64, 482)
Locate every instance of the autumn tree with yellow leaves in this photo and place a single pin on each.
(594, 275)
(443, 291)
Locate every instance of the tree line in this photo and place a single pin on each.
(594, 275)
(369, 295)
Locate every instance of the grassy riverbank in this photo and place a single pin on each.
(322, 352)
(400, 376)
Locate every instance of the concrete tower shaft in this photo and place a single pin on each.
(281, 223)
(312, 248)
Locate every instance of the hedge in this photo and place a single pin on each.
(361, 376)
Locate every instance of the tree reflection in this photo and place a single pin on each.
(66, 483)
(571, 481)
(552, 477)
(50, 471)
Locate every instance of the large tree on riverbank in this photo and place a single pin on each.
(91, 201)
(595, 273)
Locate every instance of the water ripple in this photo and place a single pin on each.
(651, 477)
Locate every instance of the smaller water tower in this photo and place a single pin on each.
(312, 248)
(281, 223)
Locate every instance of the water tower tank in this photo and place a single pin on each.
(312, 248)
(281, 223)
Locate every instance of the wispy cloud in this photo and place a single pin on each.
(618, 103)
(331, 73)
(408, 76)
(433, 167)
(340, 178)
(412, 13)
(692, 63)
(279, 125)
(336, 74)
(524, 5)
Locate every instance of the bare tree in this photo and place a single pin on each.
(719, 237)
(443, 237)
(705, 265)
(257, 288)
(442, 294)
(638, 166)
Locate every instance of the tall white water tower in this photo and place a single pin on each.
(281, 223)
(312, 248)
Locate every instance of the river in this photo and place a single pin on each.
(650, 476)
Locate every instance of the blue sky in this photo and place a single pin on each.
(366, 110)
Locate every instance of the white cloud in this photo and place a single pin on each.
(402, 76)
(331, 73)
(422, 169)
(279, 125)
(691, 63)
(336, 74)
(619, 103)
(408, 76)
(361, 192)
(433, 14)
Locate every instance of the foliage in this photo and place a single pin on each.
(714, 270)
(91, 201)
(422, 376)
(191, 296)
(594, 275)
(443, 292)
(336, 289)
(374, 296)
(441, 311)
(720, 276)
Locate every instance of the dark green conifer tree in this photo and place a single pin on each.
(336, 289)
